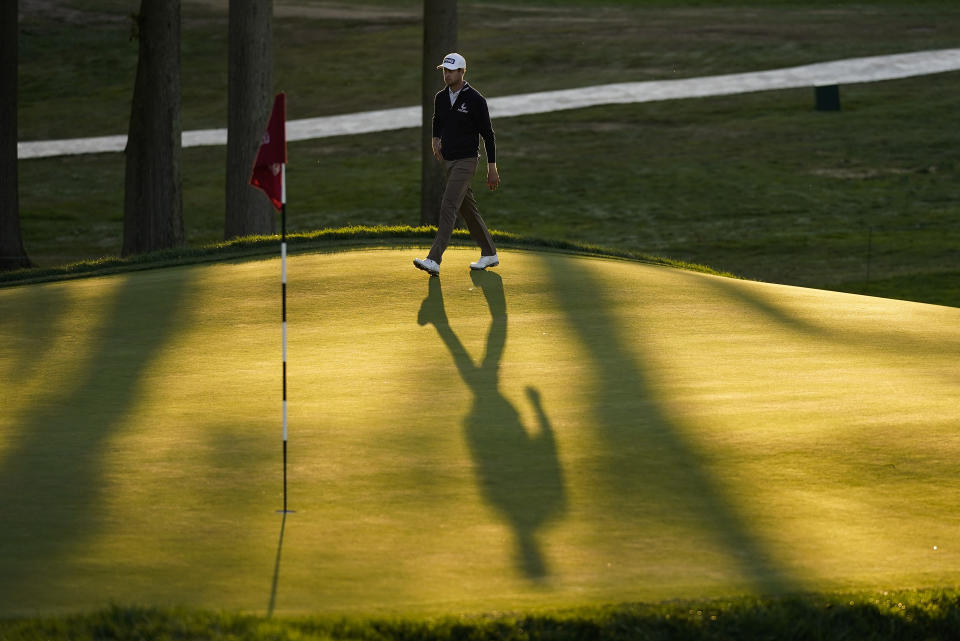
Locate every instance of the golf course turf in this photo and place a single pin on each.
(562, 431)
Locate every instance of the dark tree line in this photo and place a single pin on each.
(153, 203)
(439, 39)
(250, 97)
(153, 193)
(12, 255)
(153, 190)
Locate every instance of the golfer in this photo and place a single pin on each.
(460, 118)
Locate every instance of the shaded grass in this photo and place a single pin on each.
(930, 614)
(760, 184)
(79, 58)
(939, 289)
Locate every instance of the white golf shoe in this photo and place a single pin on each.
(427, 265)
(486, 261)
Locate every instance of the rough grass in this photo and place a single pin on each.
(918, 615)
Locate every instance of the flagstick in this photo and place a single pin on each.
(283, 295)
(273, 152)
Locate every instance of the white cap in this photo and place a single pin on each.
(453, 61)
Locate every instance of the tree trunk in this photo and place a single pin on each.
(249, 99)
(12, 255)
(153, 199)
(439, 39)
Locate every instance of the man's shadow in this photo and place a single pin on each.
(518, 473)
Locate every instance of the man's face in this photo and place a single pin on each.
(453, 77)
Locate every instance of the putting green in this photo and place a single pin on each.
(564, 430)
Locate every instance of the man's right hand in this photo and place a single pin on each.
(436, 149)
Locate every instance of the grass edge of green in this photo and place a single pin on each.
(920, 613)
(332, 239)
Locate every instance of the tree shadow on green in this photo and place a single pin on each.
(32, 328)
(52, 485)
(885, 341)
(518, 473)
(649, 474)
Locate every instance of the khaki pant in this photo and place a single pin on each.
(458, 197)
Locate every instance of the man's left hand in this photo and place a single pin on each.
(493, 176)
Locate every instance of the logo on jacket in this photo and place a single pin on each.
(463, 108)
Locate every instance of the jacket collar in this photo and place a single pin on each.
(463, 89)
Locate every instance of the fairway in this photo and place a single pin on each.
(564, 430)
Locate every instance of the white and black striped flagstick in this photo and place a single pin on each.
(283, 295)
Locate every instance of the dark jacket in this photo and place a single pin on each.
(460, 126)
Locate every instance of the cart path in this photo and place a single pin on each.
(838, 72)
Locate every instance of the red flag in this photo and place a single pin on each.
(267, 171)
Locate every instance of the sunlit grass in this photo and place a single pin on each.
(691, 436)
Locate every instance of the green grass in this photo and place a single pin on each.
(700, 446)
(759, 185)
(324, 240)
(885, 615)
(597, 431)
